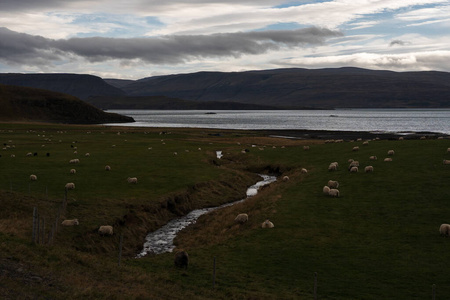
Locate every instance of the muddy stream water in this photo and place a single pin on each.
(161, 240)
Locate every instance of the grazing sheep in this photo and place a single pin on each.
(448, 150)
(326, 190)
(181, 259)
(70, 222)
(401, 138)
(74, 161)
(354, 170)
(356, 148)
(132, 180)
(107, 168)
(388, 159)
(391, 152)
(366, 143)
(333, 184)
(73, 171)
(267, 224)
(87, 154)
(12, 155)
(446, 162)
(305, 147)
(373, 157)
(368, 169)
(444, 230)
(33, 177)
(105, 230)
(332, 167)
(70, 186)
(241, 218)
(354, 163)
(286, 178)
(304, 171)
(334, 193)
(29, 154)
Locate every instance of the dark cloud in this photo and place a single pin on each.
(398, 43)
(21, 48)
(31, 5)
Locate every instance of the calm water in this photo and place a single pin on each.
(381, 120)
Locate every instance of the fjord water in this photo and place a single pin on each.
(373, 120)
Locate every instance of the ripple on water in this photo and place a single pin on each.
(161, 240)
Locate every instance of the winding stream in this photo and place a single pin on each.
(161, 240)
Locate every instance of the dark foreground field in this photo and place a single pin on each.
(378, 240)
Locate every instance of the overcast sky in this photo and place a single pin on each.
(139, 38)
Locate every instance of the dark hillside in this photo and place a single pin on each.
(18, 104)
(80, 86)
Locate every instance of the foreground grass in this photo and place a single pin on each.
(379, 240)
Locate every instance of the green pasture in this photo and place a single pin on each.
(378, 240)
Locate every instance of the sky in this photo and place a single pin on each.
(134, 39)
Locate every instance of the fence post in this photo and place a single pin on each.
(214, 272)
(120, 247)
(33, 235)
(315, 285)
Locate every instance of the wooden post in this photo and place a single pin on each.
(33, 235)
(433, 292)
(214, 273)
(120, 247)
(315, 285)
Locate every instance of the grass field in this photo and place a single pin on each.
(378, 240)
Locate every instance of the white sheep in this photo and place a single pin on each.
(87, 154)
(366, 143)
(106, 230)
(132, 180)
(107, 168)
(373, 157)
(304, 171)
(29, 154)
(334, 193)
(73, 171)
(354, 163)
(305, 147)
(33, 177)
(267, 224)
(354, 169)
(448, 150)
(70, 186)
(332, 167)
(70, 222)
(326, 190)
(444, 230)
(446, 162)
(388, 159)
(286, 178)
(368, 169)
(356, 148)
(241, 218)
(391, 152)
(74, 161)
(333, 184)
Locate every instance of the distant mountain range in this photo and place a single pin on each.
(268, 89)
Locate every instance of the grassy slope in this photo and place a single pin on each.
(379, 240)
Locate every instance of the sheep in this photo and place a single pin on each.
(444, 230)
(105, 230)
(334, 193)
(87, 154)
(448, 150)
(373, 157)
(388, 159)
(356, 148)
(74, 161)
(132, 180)
(391, 152)
(446, 162)
(326, 190)
(181, 259)
(305, 147)
(286, 178)
(70, 222)
(354, 163)
(366, 143)
(354, 169)
(332, 167)
(107, 168)
(304, 171)
(33, 177)
(70, 186)
(241, 218)
(29, 154)
(267, 224)
(333, 184)
(73, 171)
(368, 169)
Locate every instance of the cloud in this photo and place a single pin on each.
(398, 43)
(23, 48)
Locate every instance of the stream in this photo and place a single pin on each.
(161, 240)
